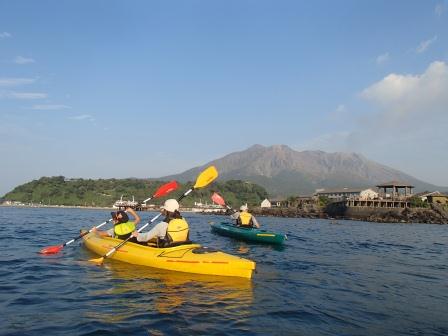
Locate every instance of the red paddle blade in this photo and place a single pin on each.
(166, 189)
(51, 249)
(217, 198)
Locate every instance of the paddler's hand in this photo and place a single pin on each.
(95, 231)
(134, 234)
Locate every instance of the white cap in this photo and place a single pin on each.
(243, 207)
(170, 205)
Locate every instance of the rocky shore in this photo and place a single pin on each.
(433, 215)
(436, 214)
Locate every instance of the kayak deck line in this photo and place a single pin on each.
(184, 261)
(186, 250)
(265, 235)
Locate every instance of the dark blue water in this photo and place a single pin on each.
(331, 278)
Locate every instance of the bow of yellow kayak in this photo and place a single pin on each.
(190, 258)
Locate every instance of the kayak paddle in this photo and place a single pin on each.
(162, 191)
(217, 198)
(204, 179)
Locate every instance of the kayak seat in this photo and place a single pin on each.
(163, 243)
(187, 242)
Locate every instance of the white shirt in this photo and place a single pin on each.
(157, 231)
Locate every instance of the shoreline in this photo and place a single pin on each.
(86, 208)
(56, 206)
(397, 216)
(389, 215)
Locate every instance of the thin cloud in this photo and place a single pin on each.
(5, 35)
(425, 45)
(341, 108)
(10, 82)
(331, 142)
(339, 113)
(381, 59)
(87, 117)
(23, 60)
(440, 9)
(22, 95)
(50, 107)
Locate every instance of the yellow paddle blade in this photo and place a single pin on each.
(97, 260)
(206, 177)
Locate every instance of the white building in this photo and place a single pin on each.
(265, 203)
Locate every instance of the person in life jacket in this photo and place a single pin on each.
(173, 230)
(244, 218)
(123, 227)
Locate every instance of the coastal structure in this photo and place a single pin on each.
(424, 195)
(339, 193)
(397, 189)
(391, 194)
(438, 199)
(277, 203)
(377, 203)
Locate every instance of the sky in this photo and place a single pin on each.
(102, 89)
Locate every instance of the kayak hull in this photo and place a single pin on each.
(248, 234)
(190, 258)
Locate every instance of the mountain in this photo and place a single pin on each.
(283, 171)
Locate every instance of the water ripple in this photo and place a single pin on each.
(330, 278)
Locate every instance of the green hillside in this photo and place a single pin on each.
(59, 190)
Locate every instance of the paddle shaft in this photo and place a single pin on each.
(204, 179)
(127, 239)
(185, 194)
(148, 199)
(124, 241)
(144, 226)
(230, 208)
(86, 232)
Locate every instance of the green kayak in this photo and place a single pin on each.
(248, 234)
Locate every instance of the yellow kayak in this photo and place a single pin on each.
(190, 258)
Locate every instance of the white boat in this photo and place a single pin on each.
(125, 204)
(201, 207)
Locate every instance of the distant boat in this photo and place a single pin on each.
(125, 204)
(201, 207)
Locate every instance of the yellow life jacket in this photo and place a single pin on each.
(177, 230)
(124, 228)
(245, 219)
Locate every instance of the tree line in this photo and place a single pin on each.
(58, 190)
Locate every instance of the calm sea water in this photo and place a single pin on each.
(331, 278)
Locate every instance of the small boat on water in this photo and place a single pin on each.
(248, 234)
(190, 258)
